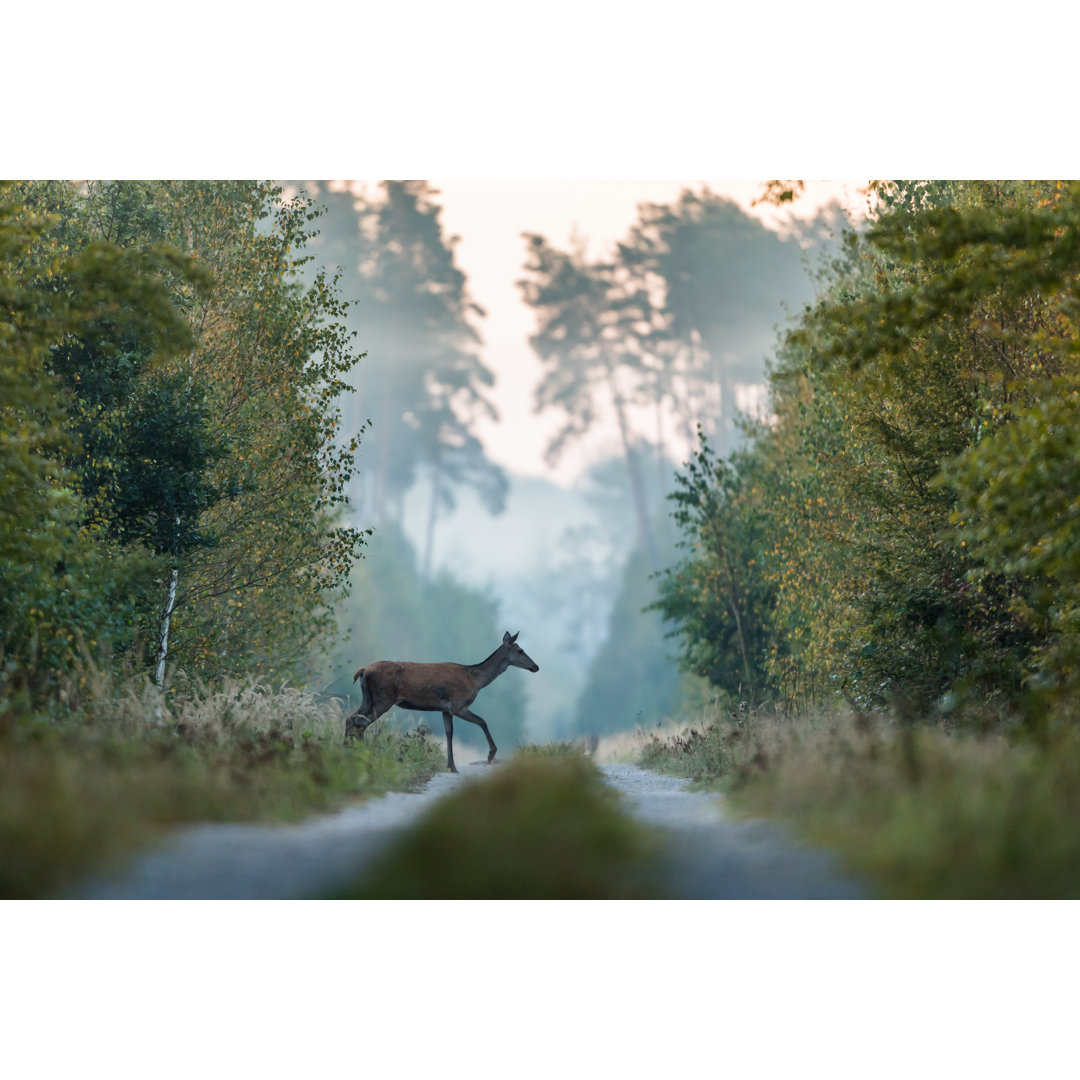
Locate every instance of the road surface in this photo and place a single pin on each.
(709, 856)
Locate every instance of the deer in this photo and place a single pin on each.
(442, 687)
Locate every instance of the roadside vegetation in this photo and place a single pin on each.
(887, 575)
(919, 811)
(173, 473)
(544, 826)
(80, 792)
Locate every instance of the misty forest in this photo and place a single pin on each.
(820, 554)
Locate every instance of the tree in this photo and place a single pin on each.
(908, 493)
(953, 321)
(719, 279)
(580, 341)
(63, 584)
(716, 594)
(685, 310)
(425, 384)
(272, 355)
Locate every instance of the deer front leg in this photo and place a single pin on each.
(448, 727)
(465, 714)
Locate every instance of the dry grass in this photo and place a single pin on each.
(542, 826)
(84, 788)
(625, 747)
(924, 812)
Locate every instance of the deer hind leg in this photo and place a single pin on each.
(365, 716)
(448, 727)
(356, 725)
(465, 714)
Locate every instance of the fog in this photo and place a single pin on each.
(622, 352)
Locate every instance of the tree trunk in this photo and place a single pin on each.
(166, 613)
(163, 633)
(633, 465)
(743, 650)
(433, 513)
(386, 431)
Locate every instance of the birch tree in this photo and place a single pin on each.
(66, 583)
(271, 356)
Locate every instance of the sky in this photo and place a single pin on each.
(490, 216)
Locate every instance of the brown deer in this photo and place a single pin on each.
(446, 688)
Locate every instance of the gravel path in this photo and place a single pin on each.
(713, 857)
(269, 862)
(709, 855)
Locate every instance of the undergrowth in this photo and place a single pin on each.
(80, 790)
(921, 811)
(542, 826)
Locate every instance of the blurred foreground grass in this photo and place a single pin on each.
(542, 826)
(79, 792)
(924, 813)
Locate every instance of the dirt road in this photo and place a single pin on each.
(709, 855)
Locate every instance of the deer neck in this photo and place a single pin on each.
(489, 670)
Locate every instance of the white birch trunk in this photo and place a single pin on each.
(163, 633)
(166, 618)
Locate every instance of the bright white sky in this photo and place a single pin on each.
(490, 216)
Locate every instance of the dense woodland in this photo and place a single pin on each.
(902, 530)
(172, 467)
(217, 399)
(196, 446)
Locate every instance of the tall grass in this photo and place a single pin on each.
(922, 811)
(85, 786)
(542, 826)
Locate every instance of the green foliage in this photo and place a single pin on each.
(63, 585)
(272, 357)
(146, 448)
(902, 511)
(542, 827)
(718, 598)
(168, 404)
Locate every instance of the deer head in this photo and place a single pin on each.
(516, 654)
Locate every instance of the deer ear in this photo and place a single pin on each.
(507, 638)
(514, 638)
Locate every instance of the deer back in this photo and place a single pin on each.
(423, 686)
